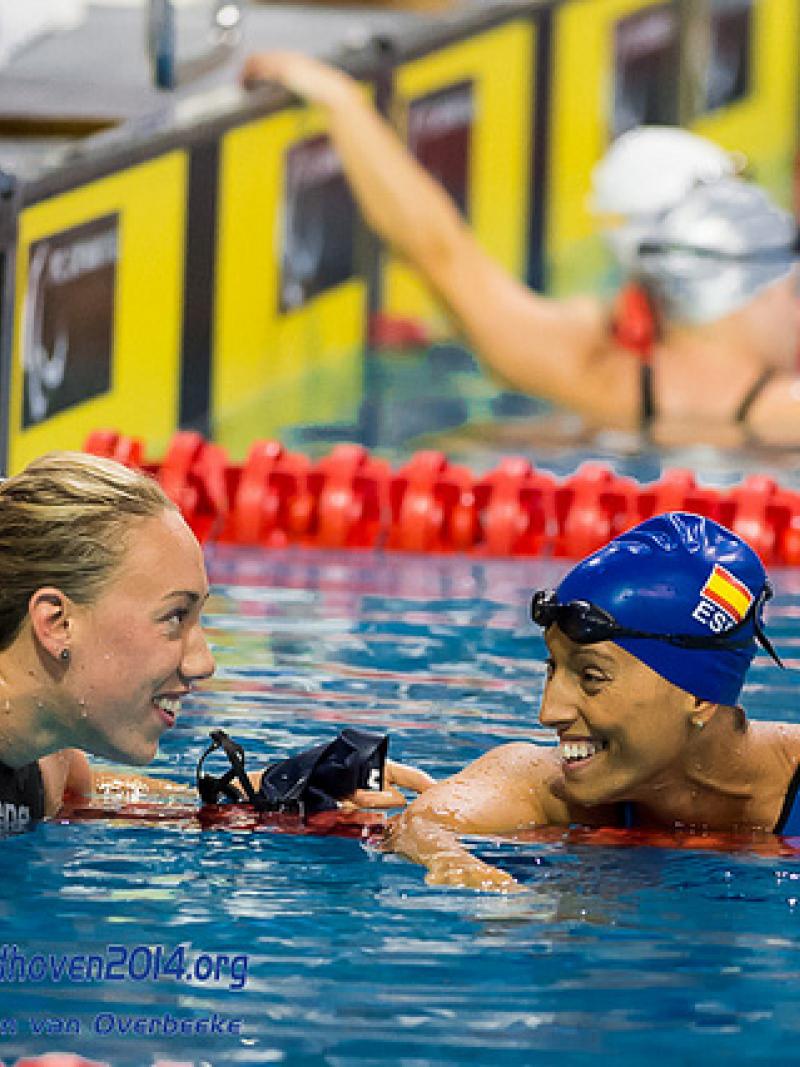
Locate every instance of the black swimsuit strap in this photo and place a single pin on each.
(788, 803)
(648, 400)
(647, 396)
(752, 394)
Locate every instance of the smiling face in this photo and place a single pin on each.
(623, 729)
(136, 650)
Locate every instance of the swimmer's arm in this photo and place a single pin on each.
(556, 349)
(68, 775)
(503, 791)
(134, 787)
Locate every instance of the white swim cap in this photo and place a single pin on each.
(717, 249)
(644, 173)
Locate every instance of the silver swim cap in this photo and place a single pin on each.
(645, 172)
(716, 250)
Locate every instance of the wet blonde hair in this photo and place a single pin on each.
(64, 522)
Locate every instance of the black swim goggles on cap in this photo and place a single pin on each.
(778, 253)
(587, 624)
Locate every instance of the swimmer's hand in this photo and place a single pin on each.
(300, 74)
(397, 776)
(439, 849)
(467, 872)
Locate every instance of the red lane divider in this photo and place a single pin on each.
(518, 507)
(196, 475)
(351, 499)
(593, 506)
(432, 506)
(272, 504)
(349, 489)
(113, 445)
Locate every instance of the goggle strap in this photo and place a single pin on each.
(768, 647)
(210, 786)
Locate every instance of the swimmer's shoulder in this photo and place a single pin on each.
(776, 744)
(531, 781)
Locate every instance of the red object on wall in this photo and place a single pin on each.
(394, 331)
(634, 321)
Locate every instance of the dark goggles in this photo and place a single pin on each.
(587, 624)
(777, 254)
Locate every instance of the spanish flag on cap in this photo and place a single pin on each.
(727, 593)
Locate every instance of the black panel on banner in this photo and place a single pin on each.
(6, 316)
(199, 277)
(646, 56)
(440, 135)
(728, 72)
(68, 326)
(540, 142)
(318, 225)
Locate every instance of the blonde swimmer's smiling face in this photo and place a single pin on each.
(139, 647)
(622, 728)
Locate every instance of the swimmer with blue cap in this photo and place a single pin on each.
(650, 640)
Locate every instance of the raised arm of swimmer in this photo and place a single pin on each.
(554, 349)
(728, 320)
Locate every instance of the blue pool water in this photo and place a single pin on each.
(619, 953)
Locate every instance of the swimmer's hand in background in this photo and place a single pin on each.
(301, 74)
(397, 776)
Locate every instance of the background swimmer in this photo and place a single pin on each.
(725, 376)
(649, 642)
(102, 589)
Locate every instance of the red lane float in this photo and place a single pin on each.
(364, 824)
(348, 487)
(360, 823)
(352, 499)
(518, 507)
(432, 506)
(272, 504)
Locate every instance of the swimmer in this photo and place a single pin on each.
(102, 589)
(720, 267)
(649, 641)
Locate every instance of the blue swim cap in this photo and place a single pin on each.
(678, 574)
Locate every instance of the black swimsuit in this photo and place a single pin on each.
(21, 797)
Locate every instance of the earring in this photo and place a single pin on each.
(698, 724)
(64, 655)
